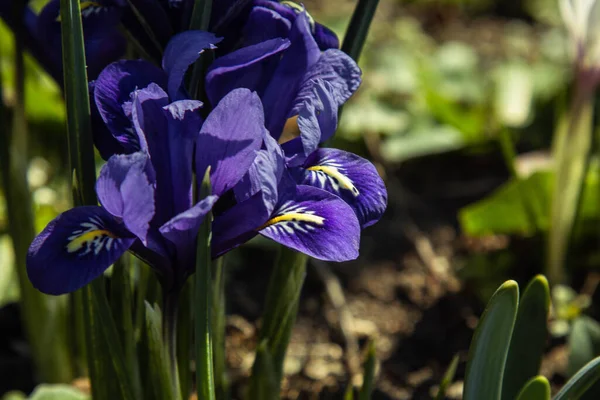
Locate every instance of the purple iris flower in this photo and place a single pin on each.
(145, 194)
(295, 79)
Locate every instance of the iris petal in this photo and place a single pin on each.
(230, 137)
(75, 248)
(350, 177)
(125, 188)
(316, 223)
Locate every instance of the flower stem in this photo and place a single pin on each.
(205, 380)
(169, 325)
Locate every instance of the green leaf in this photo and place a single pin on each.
(581, 381)
(106, 361)
(14, 395)
(81, 149)
(349, 394)
(281, 306)
(267, 387)
(219, 321)
(160, 373)
(489, 347)
(571, 147)
(528, 339)
(505, 211)
(205, 380)
(121, 304)
(447, 379)
(369, 374)
(537, 388)
(584, 345)
(184, 340)
(358, 29)
(57, 392)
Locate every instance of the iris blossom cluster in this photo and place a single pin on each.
(312, 199)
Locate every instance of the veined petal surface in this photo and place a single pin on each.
(74, 249)
(352, 178)
(317, 223)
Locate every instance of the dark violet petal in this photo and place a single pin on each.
(317, 119)
(181, 52)
(125, 188)
(264, 173)
(264, 24)
(249, 67)
(113, 89)
(170, 131)
(230, 137)
(336, 68)
(182, 230)
(316, 223)
(279, 96)
(350, 177)
(74, 249)
(238, 224)
(325, 37)
(104, 141)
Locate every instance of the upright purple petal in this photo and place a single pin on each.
(170, 131)
(338, 69)
(74, 249)
(279, 96)
(316, 223)
(125, 189)
(350, 177)
(181, 52)
(230, 137)
(325, 37)
(264, 24)
(249, 67)
(113, 89)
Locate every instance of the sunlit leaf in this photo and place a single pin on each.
(490, 344)
(537, 388)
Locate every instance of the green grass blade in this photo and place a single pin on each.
(81, 149)
(489, 347)
(349, 394)
(571, 148)
(266, 388)
(184, 340)
(219, 320)
(528, 339)
(447, 379)
(281, 306)
(581, 381)
(369, 374)
(160, 372)
(537, 388)
(205, 380)
(355, 37)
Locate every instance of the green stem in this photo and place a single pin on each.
(169, 315)
(203, 312)
(356, 35)
(221, 380)
(281, 308)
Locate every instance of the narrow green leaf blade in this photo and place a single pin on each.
(158, 356)
(81, 149)
(57, 392)
(369, 374)
(537, 388)
(219, 320)
(267, 387)
(581, 381)
(358, 29)
(489, 347)
(205, 380)
(528, 339)
(447, 379)
(281, 306)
